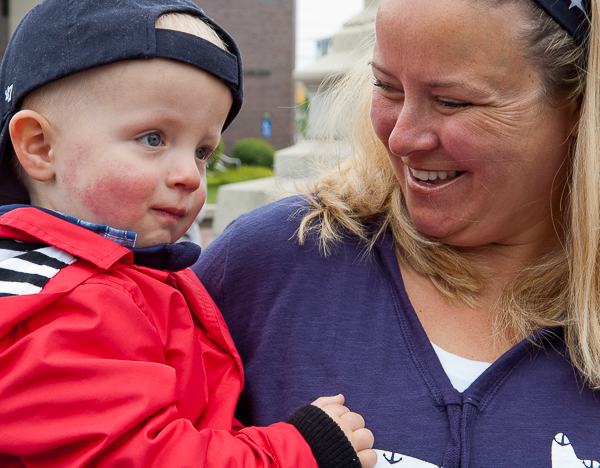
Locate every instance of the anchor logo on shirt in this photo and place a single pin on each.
(385, 459)
(393, 460)
(563, 456)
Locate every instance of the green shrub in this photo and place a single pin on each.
(231, 176)
(242, 174)
(211, 193)
(254, 152)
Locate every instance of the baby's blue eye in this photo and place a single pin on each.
(202, 154)
(152, 139)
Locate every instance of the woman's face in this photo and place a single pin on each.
(481, 157)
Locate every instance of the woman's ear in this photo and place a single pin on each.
(30, 133)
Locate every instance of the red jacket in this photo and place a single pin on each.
(105, 366)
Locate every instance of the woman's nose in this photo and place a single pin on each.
(413, 131)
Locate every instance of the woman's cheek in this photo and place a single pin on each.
(383, 119)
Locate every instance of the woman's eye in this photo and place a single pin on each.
(202, 154)
(454, 104)
(152, 139)
(381, 85)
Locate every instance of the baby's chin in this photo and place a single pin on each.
(151, 240)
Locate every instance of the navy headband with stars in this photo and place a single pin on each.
(572, 15)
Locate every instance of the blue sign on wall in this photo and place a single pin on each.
(267, 128)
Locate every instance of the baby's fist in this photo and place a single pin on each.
(353, 426)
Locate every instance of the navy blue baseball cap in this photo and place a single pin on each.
(58, 38)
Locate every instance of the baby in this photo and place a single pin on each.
(111, 352)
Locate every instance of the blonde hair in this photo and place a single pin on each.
(583, 320)
(363, 198)
(192, 25)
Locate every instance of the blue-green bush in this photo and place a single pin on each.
(254, 152)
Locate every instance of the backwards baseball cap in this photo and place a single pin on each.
(58, 38)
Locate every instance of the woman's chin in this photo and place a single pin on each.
(450, 234)
(437, 228)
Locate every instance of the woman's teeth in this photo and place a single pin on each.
(429, 176)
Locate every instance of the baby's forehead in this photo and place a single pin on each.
(63, 92)
(96, 84)
(140, 89)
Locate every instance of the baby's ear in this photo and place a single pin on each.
(30, 133)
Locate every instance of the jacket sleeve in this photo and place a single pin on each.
(85, 381)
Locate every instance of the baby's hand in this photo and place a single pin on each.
(353, 426)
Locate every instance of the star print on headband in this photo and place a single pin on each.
(576, 3)
(570, 15)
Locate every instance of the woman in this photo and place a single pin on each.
(445, 278)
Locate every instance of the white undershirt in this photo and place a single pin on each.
(461, 371)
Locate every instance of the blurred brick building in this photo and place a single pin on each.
(265, 32)
(4, 8)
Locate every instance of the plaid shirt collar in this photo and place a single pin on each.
(124, 238)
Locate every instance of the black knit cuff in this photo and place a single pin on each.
(330, 446)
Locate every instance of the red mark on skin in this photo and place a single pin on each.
(118, 196)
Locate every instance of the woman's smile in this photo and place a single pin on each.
(432, 178)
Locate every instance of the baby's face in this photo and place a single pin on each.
(133, 155)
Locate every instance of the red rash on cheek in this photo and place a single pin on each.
(117, 197)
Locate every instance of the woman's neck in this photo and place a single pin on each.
(470, 332)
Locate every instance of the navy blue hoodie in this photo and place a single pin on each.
(307, 325)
